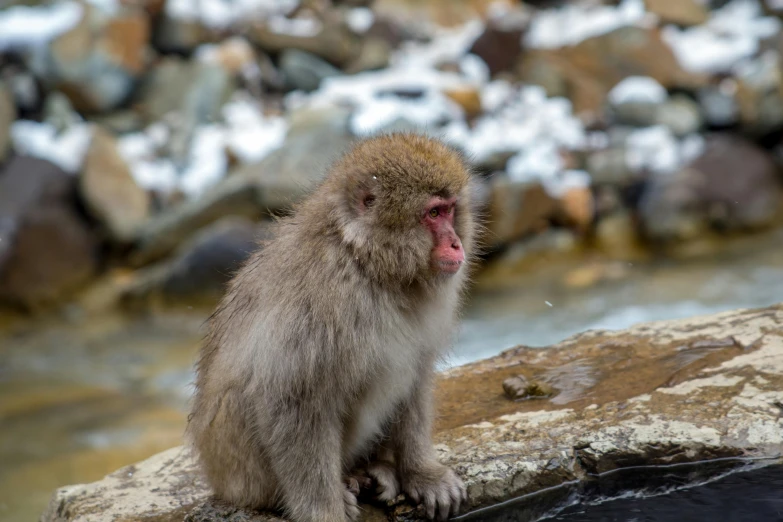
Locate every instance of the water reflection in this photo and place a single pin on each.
(729, 490)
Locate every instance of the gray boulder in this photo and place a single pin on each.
(202, 266)
(97, 63)
(733, 185)
(7, 116)
(47, 249)
(109, 191)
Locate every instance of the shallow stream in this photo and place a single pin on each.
(80, 398)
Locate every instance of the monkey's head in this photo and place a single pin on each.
(402, 205)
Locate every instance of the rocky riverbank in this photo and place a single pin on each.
(144, 145)
(671, 392)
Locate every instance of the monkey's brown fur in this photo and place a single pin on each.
(320, 357)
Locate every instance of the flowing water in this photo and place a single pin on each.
(82, 397)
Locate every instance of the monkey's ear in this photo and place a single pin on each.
(366, 201)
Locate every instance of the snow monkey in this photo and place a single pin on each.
(320, 358)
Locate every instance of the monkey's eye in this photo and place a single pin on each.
(434, 213)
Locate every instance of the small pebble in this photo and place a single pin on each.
(518, 388)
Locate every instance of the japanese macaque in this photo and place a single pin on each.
(319, 363)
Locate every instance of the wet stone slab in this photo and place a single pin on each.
(669, 393)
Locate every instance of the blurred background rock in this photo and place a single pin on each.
(630, 153)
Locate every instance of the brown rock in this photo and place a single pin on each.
(468, 98)
(515, 210)
(591, 68)
(46, 248)
(97, 63)
(375, 54)
(109, 190)
(7, 116)
(680, 12)
(500, 48)
(125, 39)
(578, 207)
(234, 55)
(334, 42)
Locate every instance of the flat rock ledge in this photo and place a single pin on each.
(657, 395)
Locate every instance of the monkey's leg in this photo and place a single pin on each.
(304, 447)
(423, 478)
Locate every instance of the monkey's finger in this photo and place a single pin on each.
(456, 500)
(415, 496)
(444, 503)
(429, 503)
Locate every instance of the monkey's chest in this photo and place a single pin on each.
(390, 387)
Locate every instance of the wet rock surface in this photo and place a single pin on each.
(671, 392)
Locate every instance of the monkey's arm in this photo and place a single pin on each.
(423, 478)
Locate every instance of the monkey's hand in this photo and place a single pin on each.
(438, 487)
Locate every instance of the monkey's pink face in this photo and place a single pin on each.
(447, 252)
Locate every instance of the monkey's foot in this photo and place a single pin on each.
(356, 482)
(385, 476)
(350, 494)
(439, 488)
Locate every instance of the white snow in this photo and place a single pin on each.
(658, 150)
(518, 118)
(140, 151)
(637, 89)
(41, 140)
(448, 45)
(251, 136)
(301, 27)
(360, 19)
(244, 131)
(220, 14)
(731, 34)
(207, 160)
(372, 94)
(23, 27)
(573, 23)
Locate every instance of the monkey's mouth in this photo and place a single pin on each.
(449, 267)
